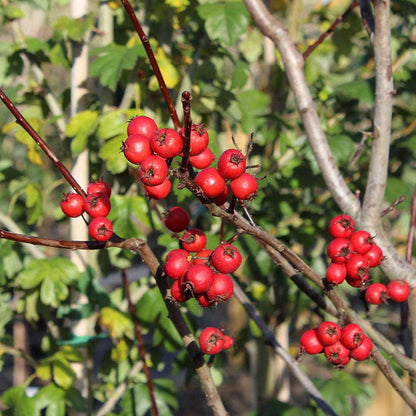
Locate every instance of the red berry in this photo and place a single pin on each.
(231, 164)
(199, 278)
(309, 342)
(226, 258)
(222, 198)
(374, 256)
(228, 342)
(341, 226)
(244, 187)
(203, 300)
(203, 160)
(193, 240)
(336, 273)
(361, 241)
(97, 205)
(337, 354)
(178, 292)
(363, 351)
(153, 170)
(199, 139)
(176, 219)
(72, 204)
(159, 191)
(142, 125)
(339, 250)
(398, 290)
(100, 228)
(357, 266)
(210, 181)
(352, 336)
(359, 283)
(221, 288)
(136, 148)
(177, 264)
(202, 256)
(328, 332)
(167, 143)
(211, 340)
(376, 293)
(99, 186)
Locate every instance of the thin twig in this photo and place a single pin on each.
(187, 124)
(367, 17)
(359, 149)
(393, 205)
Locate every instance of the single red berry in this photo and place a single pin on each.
(72, 204)
(374, 256)
(337, 354)
(100, 228)
(244, 187)
(198, 278)
(202, 256)
(211, 341)
(231, 164)
(97, 205)
(199, 139)
(178, 293)
(339, 250)
(222, 198)
(153, 170)
(226, 258)
(398, 290)
(99, 186)
(166, 143)
(361, 282)
(352, 336)
(228, 342)
(328, 332)
(357, 266)
(193, 240)
(210, 181)
(341, 226)
(142, 125)
(159, 191)
(175, 251)
(203, 300)
(309, 342)
(176, 219)
(136, 148)
(376, 293)
(336, 273)
(221, 288)
(177, 264)
(361, 241)
(363, 351)
(203, 160)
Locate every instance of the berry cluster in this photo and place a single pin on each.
(352, 253)
(153, 149)
(212, 341)
(197, 271)
(397, 290)
(96, 204)
(338, 344)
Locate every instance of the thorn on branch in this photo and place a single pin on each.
(393, 205)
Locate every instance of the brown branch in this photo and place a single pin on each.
(341, 18)
(367, 17)
(140, 342)
(153, 62)
(187, 124)
(412, 230)
(393, 205)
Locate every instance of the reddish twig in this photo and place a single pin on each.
(187, 124)
(42, 144)
(392, 206)
(153, 62)
(140, 341)
(367, 17)
(412, 229)
(324, 35)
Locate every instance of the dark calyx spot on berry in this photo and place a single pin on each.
(103, 230)
(123, 147)
(189, 239)
(229, 251)
(212, 341)
(161, 137)
(236, 158)
(200, 129)
(149, 173)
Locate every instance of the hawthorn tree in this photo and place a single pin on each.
(319, 100)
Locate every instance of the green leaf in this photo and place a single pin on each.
(16, 399)
(110, 153)
(34, 202)
(149, 307)
(112, 124)
(112, 60)
(252, 45)
(66, 28)
(253, 105)
(80, 127)
(342, 148)
(52, 398)
(240, 75)
(224, 21)
(118, 323)
(358, 90)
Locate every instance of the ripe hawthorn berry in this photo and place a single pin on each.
(231, 164)
(203, 300)
(199, 139)
(374, 256)
(143, 125)
(363, 351)
(339, 250)
(352, 336)
(99, 186)
(358, 283)
(222, 198)
(176, 219)
(202, 256)
(376, 293)
(159, 191)
(336, 273)
(153, 170)
(203, 160)
(357, 266)
(341, 226)
(166, 143)
(328, 333)
(136, 148)
(193, 240)
(100, 228)
(361, 241)
(221, 288)
(228, 342)
(210, 181)
(198, 279)
(178, 292)
(398, 290)
(72, 205)
(97, 205)
(211, 340)
(337, 354)
(226, 258)
(309, 342)
(177, 264)
(244, 187)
